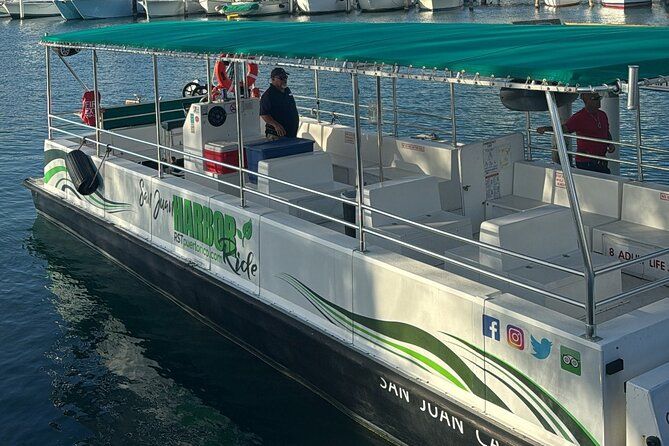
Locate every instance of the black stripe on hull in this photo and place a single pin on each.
(373, 394)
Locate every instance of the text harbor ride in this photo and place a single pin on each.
(467, 293)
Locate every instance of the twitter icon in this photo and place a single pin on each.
(541, 349)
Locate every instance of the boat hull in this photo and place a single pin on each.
(438, 5)
(211, 7)
(561, 3)
(171, 8)
(265, 9)
(31, 10)
(67, 10)
(349, 379)
(381, 5)
(624, 4)
(108, 9)
(321, 6)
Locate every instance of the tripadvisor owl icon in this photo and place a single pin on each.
(570, 360)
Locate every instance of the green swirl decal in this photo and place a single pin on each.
(384, 333)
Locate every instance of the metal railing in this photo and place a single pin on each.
(394, 73)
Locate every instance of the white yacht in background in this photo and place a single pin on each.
(560, 3)
(106, 9)
(212, 6)
(437, 5)
(623, 4)
(67, 10)
(169, 8)
(322, 6)
(381, 5)
(31, 8)
(256, 9)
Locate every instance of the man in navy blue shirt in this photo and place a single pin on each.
(277, 107)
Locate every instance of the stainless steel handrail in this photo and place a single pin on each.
(328, 217)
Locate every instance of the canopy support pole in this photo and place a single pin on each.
(590, 326)
(317, 94)
(47, 63)
(639, 150)
(454, 124)
(156, 95)
(240, 136)
(96, 97)
(379, 126)
(209, 82)
(528, 135)
(358, 162)
(395, 120)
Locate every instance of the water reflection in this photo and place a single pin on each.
(133, 368)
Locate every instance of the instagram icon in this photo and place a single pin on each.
(515, 337)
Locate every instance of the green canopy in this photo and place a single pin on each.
(240, 7)
(585, 55)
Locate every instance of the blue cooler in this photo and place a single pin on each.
(257, 152)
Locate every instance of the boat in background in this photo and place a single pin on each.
(623, 4)
(31, 8)
(381, 5)
(438, 5)
(211, 6)
(67, 10)
(107, 9)
(255, 9)
(561, 3)
(322, 6)
(171, 8)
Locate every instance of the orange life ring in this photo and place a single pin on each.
(224, 81)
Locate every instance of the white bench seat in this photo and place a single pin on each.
(415, 198)
(643, 229)
(510, 204)
(312, 170)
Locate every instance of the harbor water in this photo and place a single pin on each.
(90, 355)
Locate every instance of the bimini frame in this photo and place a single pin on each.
(394, 73)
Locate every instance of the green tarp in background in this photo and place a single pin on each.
(585, 55)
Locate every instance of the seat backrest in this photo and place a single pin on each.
(406, 197)
(305, 169)
(598, 193)
(533, 180)
(646, 204)
(543, 232)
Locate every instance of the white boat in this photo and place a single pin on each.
(107, 9)
(464, 293)
(322, 6)
(170, 8)
(623, 4)
(211, 7)
(381, 5)
(561, 3)
(256, 9)
(31, 8)
(437, 5)
(67, 9)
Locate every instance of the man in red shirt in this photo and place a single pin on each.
(591, 122)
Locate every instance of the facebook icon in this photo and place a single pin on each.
(490, 327)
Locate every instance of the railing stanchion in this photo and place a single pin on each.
(240, 136)
(395, 118)
(633, 103)
(528, 127)
(360, 183)
(590, 327)
(209, 81)
(454, 125)
(96, 98)
(639, 150)
(47, 63)
(156, 95)
(379, 126)
(317, 93)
